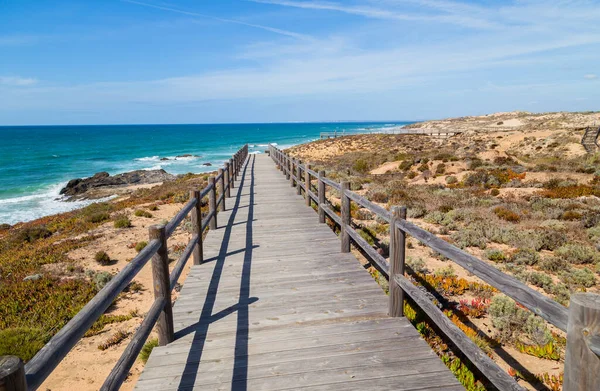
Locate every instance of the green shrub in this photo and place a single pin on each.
(578, 277)
(594, 233)
(417, 265)
(406, 165)
(525, 256)
(561, 293)
(4, 227)
(469, 237)
(507, 214)
(553, 264)
(361, 166)
(98, 217)
(506, 316)
(379, 197)
(102, 258)
(22, 342)
(31, 234)
(578, 253)
(153, 207)
(411, 175)
(451, 179)
(495, 255)
(122, 221)
(366, 235)
(100, 279)
(142, 213)
(445, 272)
(537, 331)
(147, 349)
(494, 192)
(440, 169)
(423, 167)
(140, 246)
(540, 279)
(570, 215)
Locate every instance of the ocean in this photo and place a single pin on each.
(37, 161)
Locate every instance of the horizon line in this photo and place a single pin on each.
(220, 123)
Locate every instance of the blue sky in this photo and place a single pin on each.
(184, 61)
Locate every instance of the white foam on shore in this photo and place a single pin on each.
(45, 202)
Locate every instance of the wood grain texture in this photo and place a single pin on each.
(12, 374)
(346, 218)
(582, 364)
(321, 194)
(275, 305)
(161, 285)
(212, 202)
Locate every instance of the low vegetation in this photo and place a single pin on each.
(528, 205)
(37, 300)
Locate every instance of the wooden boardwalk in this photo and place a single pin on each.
(276, 306)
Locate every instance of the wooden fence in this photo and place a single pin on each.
(14, 376)
(581, 321)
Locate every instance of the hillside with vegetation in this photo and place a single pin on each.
(51, 267)
(517, 190)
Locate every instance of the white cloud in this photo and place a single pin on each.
(17, 81)
(590, 76)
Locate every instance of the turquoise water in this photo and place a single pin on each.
(37, 161)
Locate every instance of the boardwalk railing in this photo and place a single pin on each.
(14, 376)
(581, 321)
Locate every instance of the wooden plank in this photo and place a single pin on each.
(275, 301)
(582, 364)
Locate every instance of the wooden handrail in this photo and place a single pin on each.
(581, 345)
(46, 360)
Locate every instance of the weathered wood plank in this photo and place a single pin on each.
(276, 301)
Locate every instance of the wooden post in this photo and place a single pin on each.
(293, 166)
(231, 179)
(298, 175)
(212, 202)
(227, 181)
(397, 258)
(307, 183)
(197, 227)
(582, 365)
(346, 218)
(288, 164)
(321, 197)
(160, 281)
(12, 374)
(222, 189)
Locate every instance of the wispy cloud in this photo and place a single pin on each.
(590, 76)
(17, 81)
(393, 13)
(225, 20)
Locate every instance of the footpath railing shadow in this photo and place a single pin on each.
(200, 328)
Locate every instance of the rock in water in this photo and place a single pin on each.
(207, 164)
(79, 186)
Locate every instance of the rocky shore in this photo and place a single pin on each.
(80, 188)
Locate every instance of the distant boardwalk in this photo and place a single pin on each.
(275, 305)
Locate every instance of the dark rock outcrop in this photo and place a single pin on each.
(207, 164)
(79, 186)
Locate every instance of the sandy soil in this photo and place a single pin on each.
(86, 367)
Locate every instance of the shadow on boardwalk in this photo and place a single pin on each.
(240, 366)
